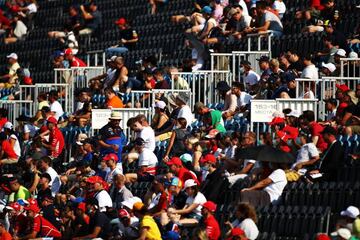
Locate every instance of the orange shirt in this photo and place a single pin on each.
(115, 102)
(5, 236)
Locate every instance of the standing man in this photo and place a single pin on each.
(56, 142)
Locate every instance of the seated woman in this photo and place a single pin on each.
(191, 213)
(161, 116)
(246, 220)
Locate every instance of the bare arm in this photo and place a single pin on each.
(260, 185)
(171, 143)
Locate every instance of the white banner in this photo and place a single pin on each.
(262, 110)
(99, 118)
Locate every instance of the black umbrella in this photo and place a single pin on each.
(265, 154)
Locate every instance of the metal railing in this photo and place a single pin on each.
(96, 58)
(238, 56)
(297, 104)
(100, 117)
(18, 107)
(305, 86)
(203, 84)
(258, 38)
(349, 67)
(66, 96)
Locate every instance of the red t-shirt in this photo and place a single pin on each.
(77, 62)
(56, 140)
(185, 174)
(212, 228)
(45, 227)
(5, 236)
(8, 150)
(2, 122)
(316, 130)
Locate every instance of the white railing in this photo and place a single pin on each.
(100, 117)
(203, 84)
(96, 58)
(27, 92)
(158, 93)
(238, 56)
(305, 85)
(66, 96)
(258, 38)
(349, 67)
(220, 61)
(297, 104)
(79, 77)
(18, 107)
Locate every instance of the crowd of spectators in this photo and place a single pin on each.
(94, 195)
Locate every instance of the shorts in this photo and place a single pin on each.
(9, 161)
(355, 129)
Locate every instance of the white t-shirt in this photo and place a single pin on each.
(29, 128)
(104, 200)
(55, 181)
(310, 72)
(278, 184)
(57, 108)
(110, 175)
(20, 29)
(199, 199)
(147, 158)
(148, 135)
(185, 112)
(243, 99)
(251, 78)
(249, 227)
(32, 8)
(306, 152)
(17, 148)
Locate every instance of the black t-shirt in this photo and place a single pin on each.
(100, 220)
(180, 200)
(84, 227)
(42, 194)
(49, 214)
(353, 109)
(340, 40)
(128, 34)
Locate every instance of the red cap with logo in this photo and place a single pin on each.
(209, 205)
(52, 120)
(111, 156)
(174, 161)
(208, 158)
(276, 120)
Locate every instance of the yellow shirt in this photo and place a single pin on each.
(153, 232)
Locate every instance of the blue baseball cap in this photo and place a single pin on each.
(175, 182)
(207, 10)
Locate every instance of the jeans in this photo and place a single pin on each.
(116, 51)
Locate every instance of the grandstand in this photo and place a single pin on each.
(305, 208)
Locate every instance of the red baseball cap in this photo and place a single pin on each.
(14, 206)
(33, 207)
(82, 206)
(123, 213)
(68, 51)
(209, 205)
(120, 21)
(52, 120)
(342, 87)
(94, 179)
(208, 158)
(322, 236)
(174, 161)
(277, 120)
(291, 131)
(111, 156)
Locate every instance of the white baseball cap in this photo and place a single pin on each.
(12, 55)
(351, 212)
(8, 125)
(353, 55)
(189, 183)
(330, 66)
(342, 232)
(81, 137)
(129, 203)
(294, 113)
(341, 52)
(160, 104)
